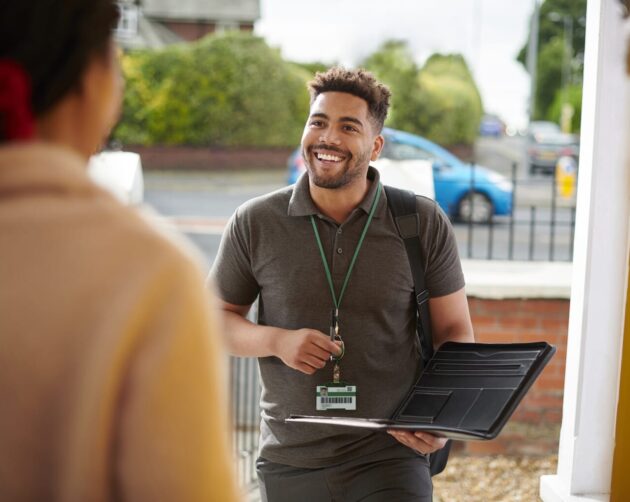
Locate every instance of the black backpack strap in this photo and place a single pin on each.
(402, 204)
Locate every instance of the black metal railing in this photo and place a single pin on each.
(541, 226)
(245, 392)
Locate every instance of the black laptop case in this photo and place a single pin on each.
(467, 391)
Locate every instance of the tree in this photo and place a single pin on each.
(453, 104)
(573, 97)
(227, 89)
(393, 65)
(551, 50)
(439, 101)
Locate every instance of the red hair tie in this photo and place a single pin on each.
(16, 117)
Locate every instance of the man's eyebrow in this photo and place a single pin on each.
(321, 115)
(351, 119)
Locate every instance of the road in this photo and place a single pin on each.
(199, 204)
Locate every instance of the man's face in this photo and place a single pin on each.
(339, 140)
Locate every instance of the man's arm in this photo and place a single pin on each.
(450, 321)
(305, 350)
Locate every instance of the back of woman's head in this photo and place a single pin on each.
(53, 41)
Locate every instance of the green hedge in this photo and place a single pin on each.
(452, 105)
(439, 101)
(225, 90)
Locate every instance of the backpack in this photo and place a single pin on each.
(402, 205)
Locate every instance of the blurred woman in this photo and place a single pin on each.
(110, 365)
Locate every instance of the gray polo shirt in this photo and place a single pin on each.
(269, 251)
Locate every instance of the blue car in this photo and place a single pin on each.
(464, 192)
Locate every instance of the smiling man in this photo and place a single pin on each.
(336, 316)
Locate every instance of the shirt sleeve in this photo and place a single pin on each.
(172, 427)
(443, 269)
(232, 272)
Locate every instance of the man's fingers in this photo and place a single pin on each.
(318, 352)
(431, 440)
(305, 368)
(325, 343)
(313, 361)
(419, 441)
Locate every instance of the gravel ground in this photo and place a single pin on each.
(492, 478)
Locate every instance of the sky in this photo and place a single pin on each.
(488, 33)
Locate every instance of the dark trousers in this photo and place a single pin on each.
(395, 474)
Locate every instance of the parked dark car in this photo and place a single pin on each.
(464, 192)
(546, 144)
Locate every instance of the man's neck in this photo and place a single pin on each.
(338, 203)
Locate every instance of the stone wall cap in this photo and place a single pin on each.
(497, 280)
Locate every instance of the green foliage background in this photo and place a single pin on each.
(233, 90)
(439, 101)
(225, 90)
(551, 50)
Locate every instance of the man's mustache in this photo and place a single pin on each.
(331, 148)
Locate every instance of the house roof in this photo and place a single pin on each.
(202, 10)
(150, 35)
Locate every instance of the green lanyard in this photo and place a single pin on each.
(336, 301)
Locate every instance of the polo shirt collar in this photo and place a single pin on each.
(301, 203)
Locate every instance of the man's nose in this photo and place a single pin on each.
(329, 136)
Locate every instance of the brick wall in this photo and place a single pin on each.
(210, 159)
(534, 427)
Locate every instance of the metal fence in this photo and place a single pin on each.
(541, 226)
(245, 392)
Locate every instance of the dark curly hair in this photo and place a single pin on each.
(360, 83)
(53, 41)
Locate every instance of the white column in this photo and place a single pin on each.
(599, 268)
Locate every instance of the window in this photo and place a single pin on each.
(128, 23)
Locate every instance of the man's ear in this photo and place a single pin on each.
(379, 141)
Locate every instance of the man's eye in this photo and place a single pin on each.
(316, 123)
(349, 128)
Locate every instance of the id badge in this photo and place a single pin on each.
(336, 397)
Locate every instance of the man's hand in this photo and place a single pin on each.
(306, 350)
(420, 441)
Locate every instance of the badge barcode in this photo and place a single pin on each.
(336, 400)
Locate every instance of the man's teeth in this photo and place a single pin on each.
(326, 156)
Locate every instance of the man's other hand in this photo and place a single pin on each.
(422, 442)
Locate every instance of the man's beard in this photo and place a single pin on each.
(350, 171)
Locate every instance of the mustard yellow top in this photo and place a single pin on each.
(111, 367)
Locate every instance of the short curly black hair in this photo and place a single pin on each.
(360, 83)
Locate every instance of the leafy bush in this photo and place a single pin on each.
(439, 101)
(393, 65)
(225, 90)
(452, 104)
(232, 89)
